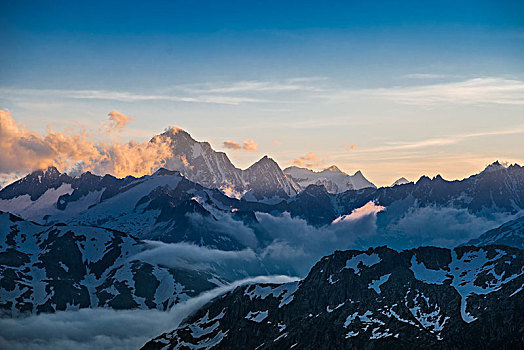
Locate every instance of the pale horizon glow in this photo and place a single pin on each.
(450, 167)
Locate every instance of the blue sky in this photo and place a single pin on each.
(419, 87)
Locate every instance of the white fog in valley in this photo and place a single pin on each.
(106, 328)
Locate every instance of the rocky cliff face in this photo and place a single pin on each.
(464, 298)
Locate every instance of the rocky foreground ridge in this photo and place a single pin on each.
(468, 297)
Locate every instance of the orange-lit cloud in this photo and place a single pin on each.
(276, 143)
(232, 145)
(250, 145)
(349, 147)
(119, 120)
(310, 160)
(23, 150)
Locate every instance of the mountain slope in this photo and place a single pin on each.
(464, 298)
(511, 234)
(50, 268)
(333, 179)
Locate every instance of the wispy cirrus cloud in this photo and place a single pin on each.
(228, 93)
(443, 141)
(481, 91)
(255, 86)
(489, 90)
(126, 96)
(427, 76)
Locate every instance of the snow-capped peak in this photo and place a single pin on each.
(401, 181)
(333, 168)
(200, 163)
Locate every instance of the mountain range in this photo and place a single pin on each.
(168, 206)
(332, 178)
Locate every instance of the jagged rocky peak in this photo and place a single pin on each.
(401, 181)
(424, 179)
(265, 162)
(495, 166)
(360, 181)
(164, 171)
(198, 162)
(174, 133)
(315, 190)
(267, 182)
(438, 177)
(182, 141)
(50, 172)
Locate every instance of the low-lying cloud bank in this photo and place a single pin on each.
(282, 244)
(105, 328)
(276, 245)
